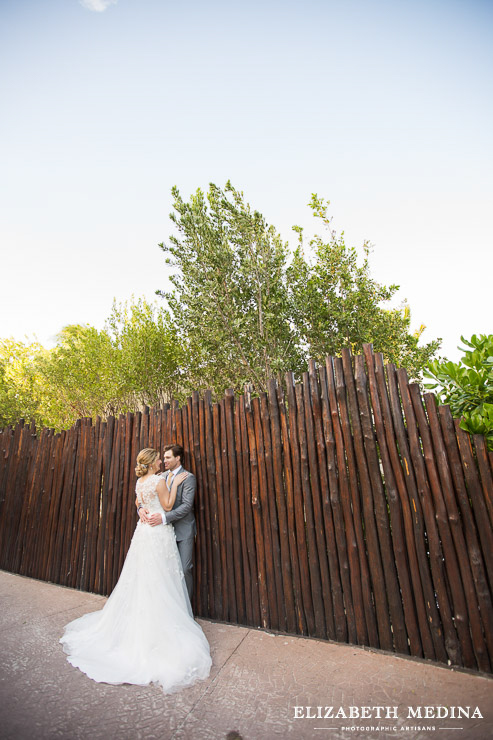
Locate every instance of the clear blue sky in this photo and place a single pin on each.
(385, 107)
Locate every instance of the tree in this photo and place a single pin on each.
(336, 303)
(147, 354)
(134, 361)
(467, 385)
(77, 374)
(248, 310)
(22, 393)
(230, 301)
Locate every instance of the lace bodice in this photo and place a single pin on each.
(147, 495)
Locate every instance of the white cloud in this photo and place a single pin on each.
(97, 5)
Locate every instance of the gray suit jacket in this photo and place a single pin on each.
(181, 515)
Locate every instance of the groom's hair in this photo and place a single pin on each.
(177, 451)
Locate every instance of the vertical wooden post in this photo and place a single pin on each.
(396, 516)
(237, 564)
(278, 491)
(265, 587)
(419, 530)
(298, 507)
(351, 430)
(454, 649)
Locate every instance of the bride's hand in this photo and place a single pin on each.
(143, 514)
(180, 478)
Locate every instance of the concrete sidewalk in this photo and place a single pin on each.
(256, 682)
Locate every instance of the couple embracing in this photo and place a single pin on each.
(146, 632)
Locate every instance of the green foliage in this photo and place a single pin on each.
(22, 391)
(336, 303)
(467, 386)
(134, 361)
(147, 355)
(77, 374)
(247, 310)
(230, 301)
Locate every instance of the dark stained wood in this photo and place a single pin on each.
(190, 464)
(128, 510)
(476, 496)
(249, 528)
(417, 594)
(223, 603)
(351, 428)
(375, 565)
(452, 644)
(9, 458)
(21, 474)
(485, 473)
(451, 557)
(228, 529)
(30, 531)
(295, 552)
(215, 590)
(271, 553)
(111, 521)
(432, 613)
(94, 515)
(457, 532)
(298, 508)
(264, 587)
(64, 525)
(381, 514)
(402, 538)
(346, 540)
(234, 506)
(89, 514)
(273, 515)
(356, 549)
(42, 516)
(179, 424)
(335, 615)
(203, 495)
(319, 574)
(77, 563)
(134, 449)
(30, 511)
(280, 497)
(242, 515)
(73, 515)
(53, 514)
(120, 468)
(200, 590)
(144, 428)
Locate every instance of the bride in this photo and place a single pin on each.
(146, 632)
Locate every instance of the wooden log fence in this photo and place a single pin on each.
(346, 507)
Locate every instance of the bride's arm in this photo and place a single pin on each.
(142, 511)
(167, 498)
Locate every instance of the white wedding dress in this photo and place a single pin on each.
(146, 632)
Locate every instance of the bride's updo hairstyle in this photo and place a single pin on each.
(145, 458)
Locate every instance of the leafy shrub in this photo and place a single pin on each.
(467, 386)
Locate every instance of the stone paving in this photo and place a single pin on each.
(257, 681)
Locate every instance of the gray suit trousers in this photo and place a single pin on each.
(185, 548)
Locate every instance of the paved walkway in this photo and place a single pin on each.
(257, 681)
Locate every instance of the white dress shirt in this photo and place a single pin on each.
(169, 478)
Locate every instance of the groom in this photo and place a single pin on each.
(181, 515)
